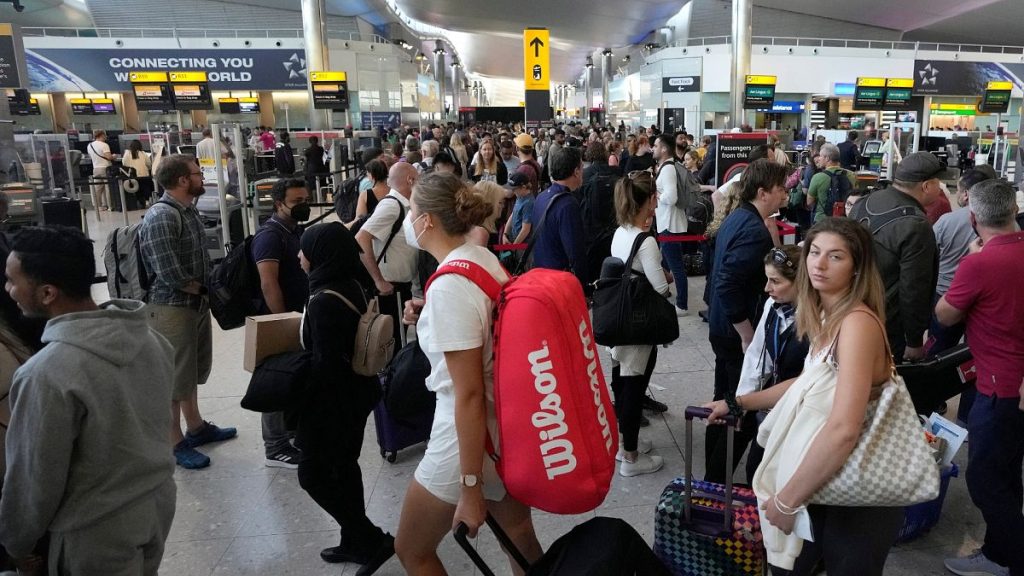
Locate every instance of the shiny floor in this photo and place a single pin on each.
(239, 517)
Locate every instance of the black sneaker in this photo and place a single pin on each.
(654, 406)
(287, 457)
(338, 554)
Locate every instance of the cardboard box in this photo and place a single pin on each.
(268, 335)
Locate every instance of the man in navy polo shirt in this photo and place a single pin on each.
(283, 288)
(560, 241)
(985, 294)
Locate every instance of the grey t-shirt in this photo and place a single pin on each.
(953, 234)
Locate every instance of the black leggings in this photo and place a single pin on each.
(853, 541)
(629, 400)
(330, 474)
(728, 365)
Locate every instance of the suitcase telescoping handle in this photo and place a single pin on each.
(462, 537)
(730, 424)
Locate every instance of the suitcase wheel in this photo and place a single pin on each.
(390, 456)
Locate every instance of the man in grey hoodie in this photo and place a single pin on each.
(89, 458)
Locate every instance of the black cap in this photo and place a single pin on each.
(919, 167)
(517, 179)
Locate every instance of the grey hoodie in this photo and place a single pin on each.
(90, 424)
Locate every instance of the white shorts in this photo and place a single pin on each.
(439, 471)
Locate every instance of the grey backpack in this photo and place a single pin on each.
(127, 277)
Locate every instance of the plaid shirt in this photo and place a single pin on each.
(174, 251)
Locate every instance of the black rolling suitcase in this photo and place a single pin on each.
(61, 211)
(394, 434)
(598, 547)
(939, 378)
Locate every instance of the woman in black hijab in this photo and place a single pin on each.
(333, 418)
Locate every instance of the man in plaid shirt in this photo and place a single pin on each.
(172, 239)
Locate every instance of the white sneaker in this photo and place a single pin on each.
(680, 312)
(644, 465)
(642, 446)
(975, 565)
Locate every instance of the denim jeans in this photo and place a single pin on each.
(672, 253)
(275, 433)
(994, 462)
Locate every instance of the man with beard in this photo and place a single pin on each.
(173, 239)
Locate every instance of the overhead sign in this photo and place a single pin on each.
(786, 107)
(898, 92)
(81, 106)
(759, 92)
(680, 84)
(87, 70)
(537, 59)
(13, 72)
(102, 106)
(996, 99)
(190, 91)
(844, 89)
(869, 94)
(249, 105)
(956, 78)
(146, 77)
(330, 90)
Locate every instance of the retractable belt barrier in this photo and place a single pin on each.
(785, 229)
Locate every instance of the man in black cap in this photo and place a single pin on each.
(905, 249)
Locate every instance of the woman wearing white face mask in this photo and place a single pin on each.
(455, 481)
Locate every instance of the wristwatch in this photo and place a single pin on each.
(469, 480)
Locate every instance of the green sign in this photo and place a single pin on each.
(758, 96)
(868, 97)
(995, 101)
(953, 113)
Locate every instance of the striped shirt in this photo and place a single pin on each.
(172, 239)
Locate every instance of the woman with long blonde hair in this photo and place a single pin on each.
(840, 310)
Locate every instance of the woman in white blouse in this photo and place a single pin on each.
(635, 200)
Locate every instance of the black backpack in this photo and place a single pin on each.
(284, 160)
(839, 188)
(597, 206)
(347, 197)
(231, 284)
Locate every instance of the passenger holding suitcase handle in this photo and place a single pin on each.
(454, 482)
(839, 283)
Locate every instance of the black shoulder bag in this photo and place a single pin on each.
(627, 308)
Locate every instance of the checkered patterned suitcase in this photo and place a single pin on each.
(698, 531)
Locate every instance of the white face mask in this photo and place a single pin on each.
(409, 229)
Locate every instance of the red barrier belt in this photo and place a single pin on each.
(785, 229)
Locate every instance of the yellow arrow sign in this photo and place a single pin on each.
(536, 59)
(188, 76)
(147, 76)
(761, 80)
(999, 85)
(871, 82)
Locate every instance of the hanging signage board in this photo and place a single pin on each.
(330, 90)
(13, 71)
(869, 94)
(151, 91)
(898, 92)
(249, 105)
(759, 92)
(81, 106)
(996, 99)
(103, 106)
(190, 91)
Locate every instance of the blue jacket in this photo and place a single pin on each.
(738, 272)
(560, 245)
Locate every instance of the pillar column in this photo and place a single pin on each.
(59, 108)
(606, 75)
(314, 33)
(742, 14)
(588, 71)
(439, 72)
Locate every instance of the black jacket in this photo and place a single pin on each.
(848, 155)
(907, 258)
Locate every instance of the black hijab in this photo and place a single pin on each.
(333, 255)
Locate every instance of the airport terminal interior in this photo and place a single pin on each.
(897, 94)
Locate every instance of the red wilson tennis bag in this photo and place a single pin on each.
(556, 424)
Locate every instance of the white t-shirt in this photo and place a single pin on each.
(670, 218)
(206, 149)
(399, 265)
(457, 315)
(98, 150)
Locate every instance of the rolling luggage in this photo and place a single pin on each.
(597, 547)
(939, 378)
(394, 434)
(706, 528)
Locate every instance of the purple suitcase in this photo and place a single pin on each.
(394, 436)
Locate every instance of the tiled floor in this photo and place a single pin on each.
(239, 518)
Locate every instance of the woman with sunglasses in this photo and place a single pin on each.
(776, 353)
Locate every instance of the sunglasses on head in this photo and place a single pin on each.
(638, 174)
(780, 258)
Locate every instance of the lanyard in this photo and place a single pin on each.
(777, 355)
